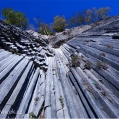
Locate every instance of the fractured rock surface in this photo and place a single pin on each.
(37, 81)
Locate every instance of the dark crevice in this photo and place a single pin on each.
(85, 99)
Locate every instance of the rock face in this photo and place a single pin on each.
(98, 51)
(66, 35)
(77, 80)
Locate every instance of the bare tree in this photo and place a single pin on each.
(43, 27)
(89, 16)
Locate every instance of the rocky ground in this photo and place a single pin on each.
(77, 80)
(67, 35)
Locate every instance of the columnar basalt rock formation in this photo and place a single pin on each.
(77, 80)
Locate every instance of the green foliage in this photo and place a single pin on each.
(8, 13)
(45, 30)
(43, 27)
(95, 83)
(59, 24)
(74, 58)
(31, 115)
(13, 51)
(75, 61)
(15, 18)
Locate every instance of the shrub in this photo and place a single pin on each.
(36, 99)
(89, 16)
(61, 101)
(59, 24)
(43, 27)
(102, 54)
(31, 115)
(110, 46)
(13, 51)
(102, 65)
(75, 61)
(15, 18)
(45, 30)
(87, 65)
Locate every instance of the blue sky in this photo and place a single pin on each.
(47, 9)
